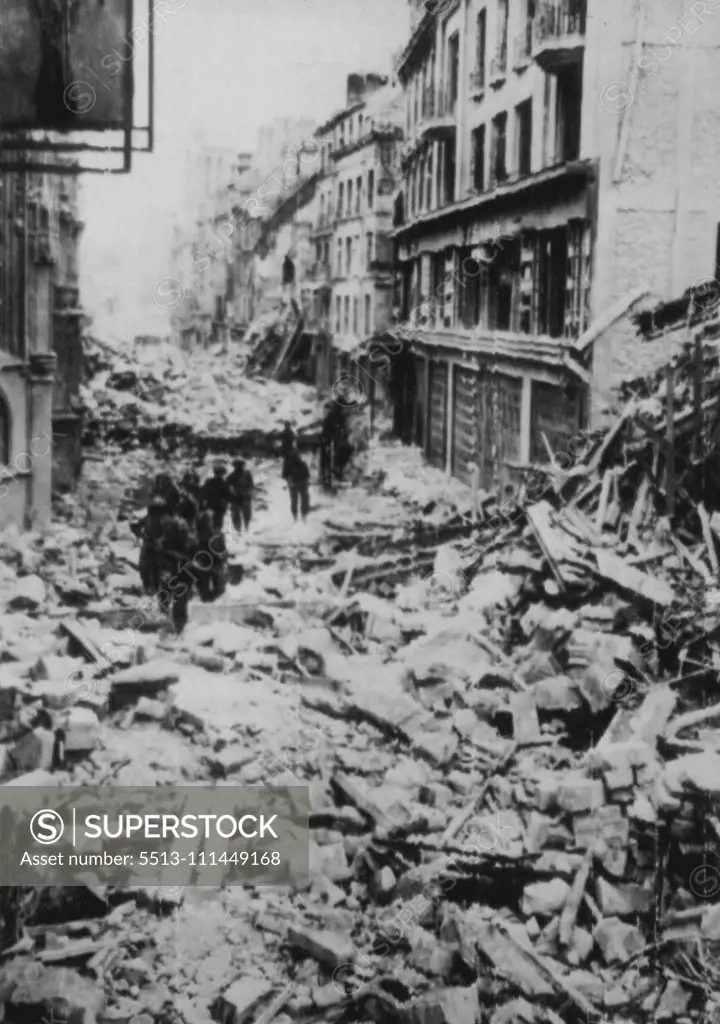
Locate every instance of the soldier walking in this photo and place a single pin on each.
(242, 489)
(297, 475)
(215, 495)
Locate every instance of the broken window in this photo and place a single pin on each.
(551, 271)
(503, 273)
(557, 413)
(568, 114)
(453, 70)
(577, 295)
(449, 171)
(421, 183)
(499, 149)
(478, 158)
(523, 121)
(528, 283)
(469, 290)
(437, 290)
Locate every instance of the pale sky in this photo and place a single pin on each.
(226, 67)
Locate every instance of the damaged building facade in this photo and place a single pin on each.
(353, 245)
(41, 325)
(559, 158)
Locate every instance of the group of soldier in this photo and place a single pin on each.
(182, 534)
(182, 539)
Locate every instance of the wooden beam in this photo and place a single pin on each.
(670, 455)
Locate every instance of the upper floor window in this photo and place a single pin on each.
(453, 70)
(523, 121)
(4, 433)
(370, 189)
(341, 195)
(499, 148)
(478, 158)
(480, 50)
(349, 198)
(358, 195)
(502, 35)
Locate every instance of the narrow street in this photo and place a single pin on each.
(257, 691)
(359, 512)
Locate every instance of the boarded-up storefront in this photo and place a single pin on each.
(465, 424)
(558, 414)
(499, 410)
(437, 440)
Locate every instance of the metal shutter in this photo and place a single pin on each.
(465, 425)
(437, 448)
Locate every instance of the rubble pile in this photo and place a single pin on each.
(506, 713)
(271, 338)
(136, 396)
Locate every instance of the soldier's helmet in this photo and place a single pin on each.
(157, 504)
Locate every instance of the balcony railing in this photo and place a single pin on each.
(498, 65)
(522, 51)
(558, 32)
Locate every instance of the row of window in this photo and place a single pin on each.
(350, 195)
(347, 248)
(537, 283)
(428, 188)
(343, 322)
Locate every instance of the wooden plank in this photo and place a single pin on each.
(617, 571)
(82, 638)
(604, 499)
(616, 312)
(709, 539)
(551, 548)
(639, 508)
(670, 454)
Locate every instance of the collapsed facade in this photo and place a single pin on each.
(559, 162)
(40, 343)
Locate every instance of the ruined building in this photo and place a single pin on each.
(352, 233)
(560, 159)
(40, 343)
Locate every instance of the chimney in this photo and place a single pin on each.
(355, 90)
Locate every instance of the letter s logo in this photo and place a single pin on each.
(46, 827)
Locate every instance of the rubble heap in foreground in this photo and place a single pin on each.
(514, 802)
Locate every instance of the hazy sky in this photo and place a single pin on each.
(226, 67)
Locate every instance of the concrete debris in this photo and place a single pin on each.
(514, 776)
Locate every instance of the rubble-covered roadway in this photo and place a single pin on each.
(504, 717)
